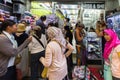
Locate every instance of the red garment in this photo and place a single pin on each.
(19, 74)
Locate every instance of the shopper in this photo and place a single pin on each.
(37, 50)
(69, 38)
(8, 50)
(20, 37)
(79, 35)
(55, 56)
(41, 24)
(112, 53)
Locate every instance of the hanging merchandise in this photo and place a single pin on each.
(52, 19)
(28, 17)
(113, 22)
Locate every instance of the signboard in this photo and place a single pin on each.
(93, 5)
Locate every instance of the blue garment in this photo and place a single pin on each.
(10, 75)
(36, 66)
(42, 25)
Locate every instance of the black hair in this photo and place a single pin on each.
(92, 29)
(68, 19)
(79, 24)
(7, 23)
(53, 24)
(23, 21)
(50, 24)
(38, 33)
(67, 28)
(43, 18)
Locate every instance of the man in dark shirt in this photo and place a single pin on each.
(40, 23)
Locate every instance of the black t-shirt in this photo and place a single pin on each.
(20, 39)
(70, 36)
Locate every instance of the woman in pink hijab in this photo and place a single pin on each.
(112, 53)
(55, 56)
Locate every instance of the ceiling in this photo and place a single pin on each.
(70, 1)
(70, 9)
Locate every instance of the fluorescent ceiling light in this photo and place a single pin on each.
(46, 6)
(69, 6)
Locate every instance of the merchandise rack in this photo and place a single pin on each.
(94, 51)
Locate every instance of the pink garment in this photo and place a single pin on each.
(110, 44)
(55, 60)
(115, 62)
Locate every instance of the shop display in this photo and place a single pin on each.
(94, 49)
(113, 22)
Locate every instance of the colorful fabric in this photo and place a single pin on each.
(110, 44)
(52, 19)
(79, 72)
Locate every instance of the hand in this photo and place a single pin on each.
(41, 59)
(30, 38)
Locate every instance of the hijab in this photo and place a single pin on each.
(109, 45)
(56, 34)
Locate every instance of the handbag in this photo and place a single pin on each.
(18, 59)
(44, 72)
(107, 72)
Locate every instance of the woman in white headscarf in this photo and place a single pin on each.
(55, 56)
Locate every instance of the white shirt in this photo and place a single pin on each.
(35, 46)
(11, 37)
(28, 28)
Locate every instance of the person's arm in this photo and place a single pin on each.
(79, 38)
(6, 46)
(98, 32)
(70, 49)
(68, 39)
(48, 57)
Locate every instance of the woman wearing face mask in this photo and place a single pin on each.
(112, 53)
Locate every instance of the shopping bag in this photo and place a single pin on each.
(44, 73)
(107, 72)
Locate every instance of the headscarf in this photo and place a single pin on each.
(56, 34)
(110, 44)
